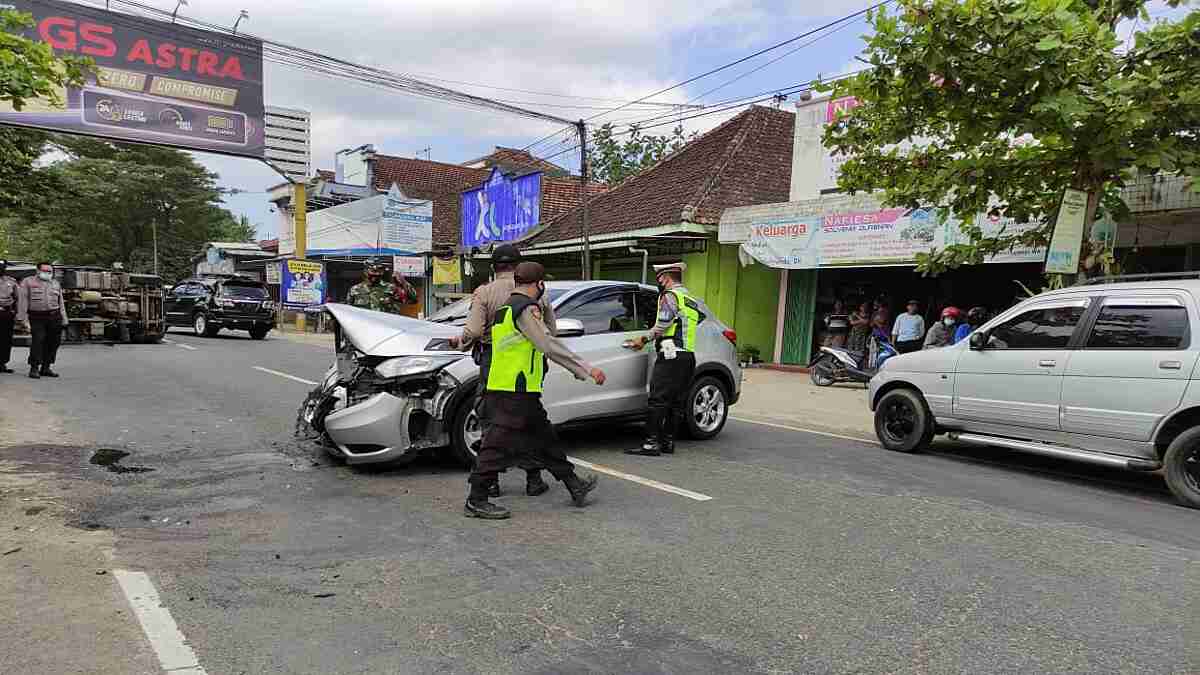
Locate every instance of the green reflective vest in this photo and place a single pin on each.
(683, 329)
(517, 366)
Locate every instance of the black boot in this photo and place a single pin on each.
(667, 436)
(494, 490)
(5, 369)
(33, 372)
(652, 447)
(46, 372)
(482, 508)
(580, 487)
(534, 485)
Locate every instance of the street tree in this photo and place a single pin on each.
(29, 70)
(613, 160)
(1007, 103)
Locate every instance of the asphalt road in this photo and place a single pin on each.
(814, 554)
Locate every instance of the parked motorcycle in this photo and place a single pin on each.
(835, 364)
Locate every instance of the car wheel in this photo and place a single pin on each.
(1181, 464)
(707, 408)
(902, 421)
(259, 333)
(467, 434)
(202, 327)
(821, 372)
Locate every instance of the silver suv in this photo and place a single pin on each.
(397, 389)
(1103, 373)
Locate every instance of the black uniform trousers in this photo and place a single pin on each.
(45, 334)
(484, 359)
(8, 321)
(518, 433)
(669, 384)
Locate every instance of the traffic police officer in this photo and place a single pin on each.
(518, 428)
(674, 337)
(8, 315)
(476, 335)
(40, 304)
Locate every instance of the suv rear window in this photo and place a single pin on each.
(1140, 327)
(244, 291)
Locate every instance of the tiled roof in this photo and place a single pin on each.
(561, 194)
(436, 181)
(325, 174)
(745, 161)
(511, 158)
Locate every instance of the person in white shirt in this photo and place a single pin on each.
(909, 329)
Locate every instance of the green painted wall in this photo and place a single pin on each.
(746, 298)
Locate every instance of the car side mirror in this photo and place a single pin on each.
(569, 328)
(979, 341)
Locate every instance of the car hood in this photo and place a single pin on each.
(382, 334)
(936, 360)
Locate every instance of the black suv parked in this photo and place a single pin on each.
(209, 303)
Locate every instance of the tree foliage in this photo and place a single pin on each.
(612, 160)
(111, 201)
(1009, 102)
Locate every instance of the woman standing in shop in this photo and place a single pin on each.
(860, 328)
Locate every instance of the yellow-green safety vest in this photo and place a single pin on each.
(517, 366)
(683, 329)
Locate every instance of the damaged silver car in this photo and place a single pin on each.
(397, 388)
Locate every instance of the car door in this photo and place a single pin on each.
(1133, 367)
(609, 319)
(1016, 379)
(175, 305)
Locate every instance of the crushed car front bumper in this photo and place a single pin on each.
(385, 427)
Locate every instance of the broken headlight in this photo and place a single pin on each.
(413, 365)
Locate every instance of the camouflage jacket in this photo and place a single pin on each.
(379, 297)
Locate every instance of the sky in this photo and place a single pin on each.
(609, 52)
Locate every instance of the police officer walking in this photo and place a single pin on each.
(40, 304)
(8, 315)
(518, 428)
(477, 336)
(674, 336)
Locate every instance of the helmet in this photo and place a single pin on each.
(977, 315)
(506, 254)
(952, 313)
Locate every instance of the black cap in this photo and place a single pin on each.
(506, 254)
(376, 267)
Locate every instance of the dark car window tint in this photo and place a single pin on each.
(1140, 328)
(1037, 329)
(246, 292)
(647, 308)
(607, 314)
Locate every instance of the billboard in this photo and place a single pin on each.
(155, 82)
(303, 284)
(383, 225)
(502, 209)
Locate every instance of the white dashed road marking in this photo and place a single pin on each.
(276, 373)
(700, 497)
(174, 654)
(187, 347)
(857, 439)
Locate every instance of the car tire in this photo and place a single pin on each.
(465, 434)
(821, 372)
(707, 408)
(903, 422)
(1181, 464)
(259, 333)
(202, 327)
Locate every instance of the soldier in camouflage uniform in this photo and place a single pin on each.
(376, 293)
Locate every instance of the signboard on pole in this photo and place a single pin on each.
(408, 265)
(407, 223)
(273, 273)
(303, 284)
(1063, 255)
(155, 82)
(502, 209)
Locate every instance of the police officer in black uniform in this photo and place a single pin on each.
(8, 315)
(674, 337)
(519, 429)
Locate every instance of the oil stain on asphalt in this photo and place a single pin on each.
(110, 459)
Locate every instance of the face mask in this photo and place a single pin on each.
(45, 276)
(948, 321)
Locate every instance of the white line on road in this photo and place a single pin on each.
(301, 380)
(165, 341)
(642, 481)
(858, 439)
(174, 654)
(187, 347)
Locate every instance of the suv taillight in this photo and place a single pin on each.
(731, 335)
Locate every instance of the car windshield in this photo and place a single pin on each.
(457, 311)
(243, 291)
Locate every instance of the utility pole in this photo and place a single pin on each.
(154, 232)
(581, 126)
(300, 228)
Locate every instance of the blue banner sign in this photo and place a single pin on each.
(502, 209)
